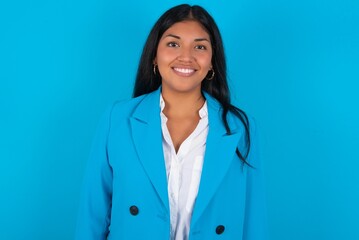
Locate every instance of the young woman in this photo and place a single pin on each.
(177, 161)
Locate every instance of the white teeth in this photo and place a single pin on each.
(184, 70)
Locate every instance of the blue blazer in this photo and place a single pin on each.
(125, 188)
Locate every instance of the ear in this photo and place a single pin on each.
(155, 61)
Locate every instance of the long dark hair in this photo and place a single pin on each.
(147, 81)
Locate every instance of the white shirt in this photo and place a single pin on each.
(183, 170)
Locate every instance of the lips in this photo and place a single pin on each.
(184, 71)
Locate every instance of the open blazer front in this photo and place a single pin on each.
(125, 189)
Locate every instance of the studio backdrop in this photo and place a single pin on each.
(293, 66)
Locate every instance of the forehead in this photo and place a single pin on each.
(189, 28)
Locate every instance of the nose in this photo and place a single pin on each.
(186, 55)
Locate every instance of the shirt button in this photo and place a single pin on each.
(219, 229)
(134, 210)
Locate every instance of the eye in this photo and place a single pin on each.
(172, 44)
(201, 47)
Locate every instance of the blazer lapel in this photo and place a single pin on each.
(147, 137)
(220, 150)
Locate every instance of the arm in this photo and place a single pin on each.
(95, 205)
(255, 221)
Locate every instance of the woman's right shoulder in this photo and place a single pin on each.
(123, 108)
(126, 105)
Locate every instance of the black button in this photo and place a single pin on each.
(219, 229)
(134, 210)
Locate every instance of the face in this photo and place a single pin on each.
(184, 57)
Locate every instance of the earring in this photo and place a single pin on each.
(154, 69)
(212, 76)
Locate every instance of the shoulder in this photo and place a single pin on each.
(241, 123)
(237, 119)
(126, 108)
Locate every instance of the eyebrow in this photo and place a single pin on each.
(178, 37)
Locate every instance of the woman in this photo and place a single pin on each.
(177, 161)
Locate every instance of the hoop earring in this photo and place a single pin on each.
(154, 69)
(212, 76)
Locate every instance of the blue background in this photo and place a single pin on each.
(292, 64)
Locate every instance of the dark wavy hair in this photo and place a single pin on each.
(147, 81)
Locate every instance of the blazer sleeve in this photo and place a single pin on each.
(95, 204)
(255, 219)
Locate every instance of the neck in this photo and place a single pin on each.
(182, 104)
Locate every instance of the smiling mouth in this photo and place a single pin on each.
(184, 71)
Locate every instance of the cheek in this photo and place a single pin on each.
(164, 55)
(205, 59)
(205, 62)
